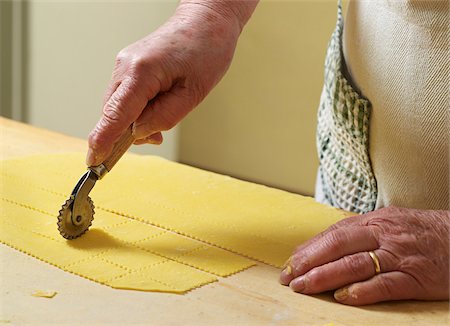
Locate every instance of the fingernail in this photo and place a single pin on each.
(287, 270)
(341, 294)
(140, 131)
(287, 263)
(298, 284)
(133, 130)
(151, 140)
(90, 158)
(286, 275)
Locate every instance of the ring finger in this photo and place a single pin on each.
(344, 271)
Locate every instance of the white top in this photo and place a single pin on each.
(397, 53)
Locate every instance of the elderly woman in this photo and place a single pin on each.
(386, 70)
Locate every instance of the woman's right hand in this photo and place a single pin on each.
(159, 79)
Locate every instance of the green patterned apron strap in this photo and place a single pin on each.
(346, 175)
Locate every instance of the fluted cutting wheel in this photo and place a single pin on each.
(73, 227)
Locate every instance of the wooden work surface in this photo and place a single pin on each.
(252, 297)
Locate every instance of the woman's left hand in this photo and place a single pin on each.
(412, 247)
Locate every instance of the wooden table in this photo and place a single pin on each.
(252, 297)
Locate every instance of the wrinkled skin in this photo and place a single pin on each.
(412, 247)
(162, 77)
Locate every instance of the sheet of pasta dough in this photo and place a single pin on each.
(158, 226)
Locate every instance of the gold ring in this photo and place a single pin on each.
(376, 262)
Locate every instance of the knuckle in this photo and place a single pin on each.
(314, 279)
(354, 264)
(111, 112)
(113, 118)
(385, 287)
(114, 109)
(122, 56)
(335, 239)
(109, 125)
(136, 63)
(391, 210)
(139, 63)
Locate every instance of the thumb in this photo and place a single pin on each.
(121, 109)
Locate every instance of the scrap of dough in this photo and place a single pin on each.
(44, 294)
(158, 226)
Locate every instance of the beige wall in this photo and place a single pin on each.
(11, 59)
(71, 50)
(259, 123)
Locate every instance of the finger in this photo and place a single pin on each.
(347, 270)
(119, 73)
(332, 246)
(155, 139)
(164, 112)
(120, 111)
(112, 87)
(354, 220)
(349, 221)
(382, 287)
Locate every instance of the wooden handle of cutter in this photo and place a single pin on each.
(119, 149)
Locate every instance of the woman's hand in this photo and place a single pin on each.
(412, 247)
(162, 77)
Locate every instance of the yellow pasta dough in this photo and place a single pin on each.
(158, 226)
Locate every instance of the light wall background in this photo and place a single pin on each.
(71, 49)
(259, 122)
